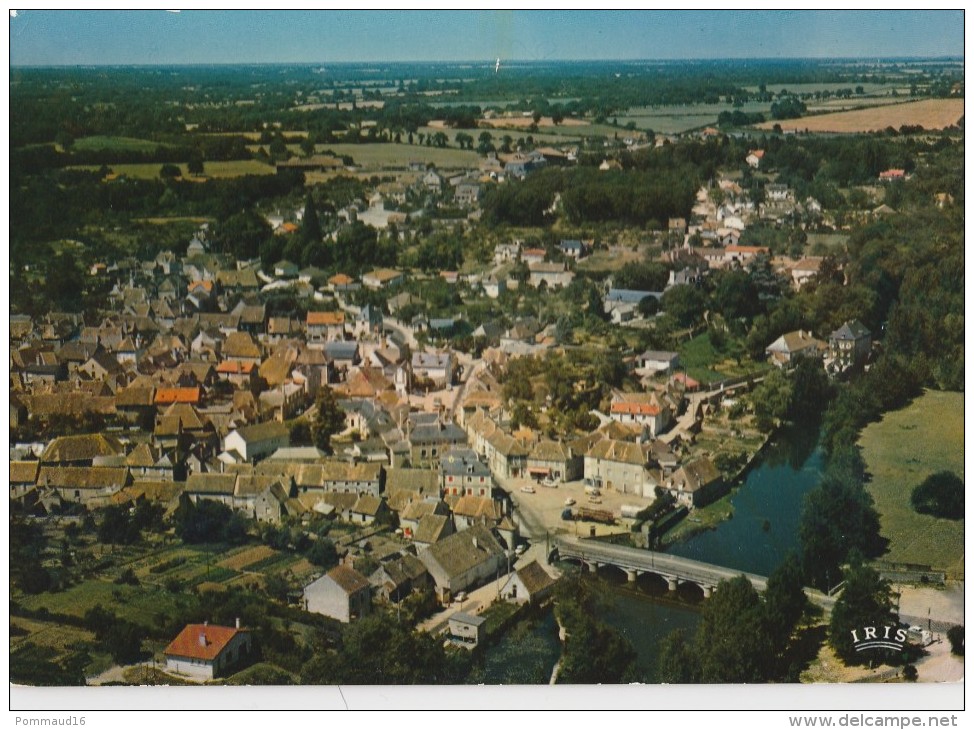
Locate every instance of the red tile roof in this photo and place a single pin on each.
(164, 396)
(234, 367)
(642, 409)
(326, 318)
(188, 643)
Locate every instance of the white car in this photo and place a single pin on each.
(569, 502)
(528, 489)
(520, 549)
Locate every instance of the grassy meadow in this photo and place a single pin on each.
(900, 452)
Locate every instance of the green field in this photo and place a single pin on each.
(705, 364)
(150, 171)
(674, 119)
(390, 155)
(124, 144)
(900, 452)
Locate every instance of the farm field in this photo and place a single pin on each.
(677, 118)
(150, 171)
(124, 144)
(388, 155)
(929, 114)
(900, 452)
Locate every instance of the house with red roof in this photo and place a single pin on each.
(202, 651)
(644, 409)
(754, 158)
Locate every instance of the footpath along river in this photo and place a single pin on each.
(763, 530)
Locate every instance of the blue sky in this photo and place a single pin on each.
(148, 37)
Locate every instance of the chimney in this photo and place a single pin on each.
(238, 622)
(206, 623)
(202, 638)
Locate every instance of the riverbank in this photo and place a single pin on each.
(708, 517)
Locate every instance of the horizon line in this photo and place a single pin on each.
(724, 59)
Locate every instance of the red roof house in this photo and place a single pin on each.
(203, 651)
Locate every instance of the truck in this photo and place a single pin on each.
(596, 515)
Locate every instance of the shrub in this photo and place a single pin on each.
(955, 635)
(940, 495)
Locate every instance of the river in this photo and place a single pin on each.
(763, 530)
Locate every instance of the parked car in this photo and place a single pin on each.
(569, 502)
(527, 489)
(460, 597)
(520, 549)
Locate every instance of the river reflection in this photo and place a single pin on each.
(767, 507)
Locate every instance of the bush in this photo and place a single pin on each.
(940, 495)
(955, 635)
(127, 577)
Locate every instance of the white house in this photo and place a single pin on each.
(257, 441)
(529, 584)
(342, 593)
(466, 629)
(203, 652)
(644, 409)
(552, 274)
(657, 361)
(382, 278)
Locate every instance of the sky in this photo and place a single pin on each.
(116, 37)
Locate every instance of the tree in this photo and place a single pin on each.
(955, 635)
(243, 234)
(117, 527)
(677, 663)
(784, 602)
(732, 641)
(329, 419)
(838, 517)
(310, 225)
(208, 521)
(168, 172)
(866, 601)
(61, 282)
(772, 399)
(685, 303)
(323, 553)
(194, 164)
(485, 143)
(940, 495)
(124, 642)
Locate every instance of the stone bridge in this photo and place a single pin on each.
(674, 569)
(635, 562)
